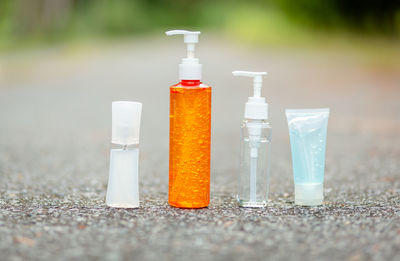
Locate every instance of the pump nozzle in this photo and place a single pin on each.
(257, 80)
(189, 69)
(190, 38)
(256, 107)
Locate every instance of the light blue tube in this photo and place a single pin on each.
(307, 130)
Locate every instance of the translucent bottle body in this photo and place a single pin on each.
(189, 149)
(254, 164)
(123, 181)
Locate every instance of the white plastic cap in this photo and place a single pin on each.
(126, 122)
(123, 181)
(256, 108)
(189, 69)
(309, 194)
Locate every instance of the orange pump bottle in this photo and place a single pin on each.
(189, 145)
(190, 133)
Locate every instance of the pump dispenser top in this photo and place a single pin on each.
(256, 107)
(190, 68)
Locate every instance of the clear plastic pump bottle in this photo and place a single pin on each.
(255, 147)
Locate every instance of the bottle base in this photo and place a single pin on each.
(122, 205)
(249, 204)
(187, 205)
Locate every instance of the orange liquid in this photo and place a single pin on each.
(189, 146)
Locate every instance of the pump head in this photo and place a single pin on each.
(256, 107)
(189, 69)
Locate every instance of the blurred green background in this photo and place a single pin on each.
(275, 22)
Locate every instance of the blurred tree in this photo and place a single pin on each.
(363, 15)
(40, 16)
(376, 15)
(44, 19)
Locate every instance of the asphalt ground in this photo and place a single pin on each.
(55, 138)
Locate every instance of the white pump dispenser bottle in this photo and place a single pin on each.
(255, 147)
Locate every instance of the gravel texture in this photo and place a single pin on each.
(55, 131)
